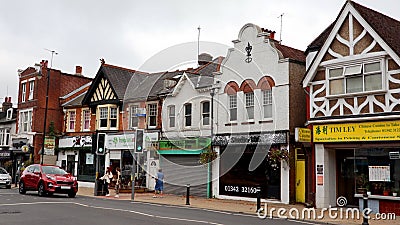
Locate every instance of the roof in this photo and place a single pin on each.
(386, 27)
(119, 78)
(291, 53)
(77, 101)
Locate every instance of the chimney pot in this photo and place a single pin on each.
(78, 70)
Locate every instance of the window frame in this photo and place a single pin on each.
(267, 101)
(187, 116)
(23, 91)
(152, 113)
(31, 89)
(171, 117)
(85, 119)
(249, 104)
(25, 126)
(232, 101)
(5, 135)
(346, 76)
(133, 116)
(71, 120)
(204, 113)
(107, 116)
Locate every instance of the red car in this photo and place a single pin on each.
(47, 179)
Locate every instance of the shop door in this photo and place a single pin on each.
(300, 176)
(71, 164)
(345, 175)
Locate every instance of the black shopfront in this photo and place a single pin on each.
(245, 167)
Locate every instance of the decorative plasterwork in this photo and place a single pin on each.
(103, 92)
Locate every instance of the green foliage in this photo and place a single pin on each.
(276, 155)
(208, 156)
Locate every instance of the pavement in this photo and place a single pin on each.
(237, 206)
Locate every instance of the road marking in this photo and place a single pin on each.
(121, 210)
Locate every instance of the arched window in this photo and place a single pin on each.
(248, 87)
(231, 89)
(266, 84)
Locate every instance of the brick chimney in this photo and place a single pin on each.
(7, 104)
(78, 70)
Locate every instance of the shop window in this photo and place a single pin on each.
(171, 115)
(232, 107)
(355, 78)
(205, 114)
(249, 97)
(188, 114)
(152, 115)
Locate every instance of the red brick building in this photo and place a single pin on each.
(32, 103)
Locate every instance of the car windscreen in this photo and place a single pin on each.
(53, 170)
(3, 171)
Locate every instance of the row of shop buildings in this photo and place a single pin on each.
(299, 126)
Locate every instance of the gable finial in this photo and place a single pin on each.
(102, 61)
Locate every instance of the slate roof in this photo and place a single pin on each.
(386, 27)
(77, 101)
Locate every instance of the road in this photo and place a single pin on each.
(31, 209)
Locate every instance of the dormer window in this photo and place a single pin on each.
(9, 113)
(355, 78)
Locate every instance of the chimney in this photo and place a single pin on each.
(204, 58)
(78, 70)
(7, 104)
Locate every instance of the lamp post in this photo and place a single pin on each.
(209, 186)
(47, 103)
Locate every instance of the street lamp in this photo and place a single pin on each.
(47, 102)
(214, 89)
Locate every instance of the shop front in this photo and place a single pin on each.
(76, 157)
(245, 167)
(179, 160)
(357, 158)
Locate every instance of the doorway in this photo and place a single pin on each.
(300, 176)
(345, 175)
(71, 164)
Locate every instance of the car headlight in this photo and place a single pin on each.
(50, 177)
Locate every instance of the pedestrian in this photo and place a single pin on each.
(159, 184)
(117, 182)
(107, 177)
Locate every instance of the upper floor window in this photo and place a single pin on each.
(152, 115)
(23, 92)
(205, 112)
(31, 89)
(355, 78)
(267, 103)
(9, 113)
(249, 97)
(71, 120)
(232, 107)
(188, 114)
(25, 121)
(86, 119)
(108, 117)
(134, 119)
(171, 115)
(4, 136)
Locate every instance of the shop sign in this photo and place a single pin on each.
(379, 173)
(5, 154)
(302, 134)
(265, 138)
(120, 141)
(320, 174)
(49, 145)
(75, 141)
(193, 143)
(367, 131)
(89, 158)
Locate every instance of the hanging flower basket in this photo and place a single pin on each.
(276, 155)
(207, 156)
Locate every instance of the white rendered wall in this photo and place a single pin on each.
(326, 193)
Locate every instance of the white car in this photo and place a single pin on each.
(5, 178)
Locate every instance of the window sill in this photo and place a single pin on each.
(231, 124)
(356, 94)
(248, 122)
(266, 121)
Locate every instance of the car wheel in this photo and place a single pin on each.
(72, 194)
(21, 188)
(41, 191)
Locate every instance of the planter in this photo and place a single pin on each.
(386, 193)
(368, 193)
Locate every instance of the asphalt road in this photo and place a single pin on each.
(31, 209)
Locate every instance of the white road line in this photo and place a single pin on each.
(120, 210)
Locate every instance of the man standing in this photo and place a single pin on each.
(159, 184)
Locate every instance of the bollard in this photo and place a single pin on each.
(365, 206)
(187, 194)
(258, 198)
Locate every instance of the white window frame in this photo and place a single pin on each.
(86, 118)
(232, 101)
(205, 114)
(71, 120)
(187, 115)
(5, 136)
(267, 102)
(25, 126)
(133, 116)
(31, 89)
(23, 92)
(171, 116)
(9, 113)
(249, 104)
(105, 113)
(152, 111)
(354, 70)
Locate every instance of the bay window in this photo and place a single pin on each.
(108, 117)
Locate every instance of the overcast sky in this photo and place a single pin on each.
(128, 32)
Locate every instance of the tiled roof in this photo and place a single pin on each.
(386, 27)
(291, 53)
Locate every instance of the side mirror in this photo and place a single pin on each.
(37, 172)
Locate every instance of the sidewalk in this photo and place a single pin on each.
(228, 205)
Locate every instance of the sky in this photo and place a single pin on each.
(127, 33)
